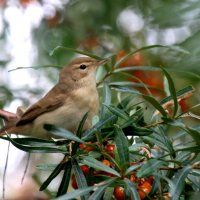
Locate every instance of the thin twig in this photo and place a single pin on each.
(176, 168)
(35, 67)
(4, 172)
(26, 168)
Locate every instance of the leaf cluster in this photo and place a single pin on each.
(139, 125)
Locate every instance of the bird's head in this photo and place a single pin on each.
(81, 70)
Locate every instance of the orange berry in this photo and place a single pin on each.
(106, 162)
(73, 182)
(145, 189)
(119, 193)
(85, 147)
(110, 149)
(85, 169)
(133, 178)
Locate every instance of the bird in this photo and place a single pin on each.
(64, 105)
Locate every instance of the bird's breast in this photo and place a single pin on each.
(69, 115)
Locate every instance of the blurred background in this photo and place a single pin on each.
(31, 29)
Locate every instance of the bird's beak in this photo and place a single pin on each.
(101, 62)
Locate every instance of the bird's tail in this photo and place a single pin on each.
(9, 120)
(8, 129)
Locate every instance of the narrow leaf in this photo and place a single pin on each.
(80, 127)
(156, 104)
(88, 134)
(172, 91)
(132, 187)
(122, 146)
(65, 180)
(138, 50)
(34, 141)
(137, 130)
(92, 162)
(179, 182)
(195, 134)
(118, 112)
(80, 178)
(58, 48)
(133, 167)
(106, 99)
(166, 141)
(55, 172)
(35, 149)
(62, 133)
(136, 68)
(46, 167)
(76, 193)
(150, 167)
(183, 93)
(108, 193)
(125, 89)
(100, 191)
(79, 133)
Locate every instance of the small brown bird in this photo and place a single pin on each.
(65, 104)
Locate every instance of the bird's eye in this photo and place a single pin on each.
(82, 66)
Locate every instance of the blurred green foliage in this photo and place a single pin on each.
(96, 26)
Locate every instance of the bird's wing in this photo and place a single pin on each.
(42, 106)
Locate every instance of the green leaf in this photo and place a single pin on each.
(108, 193)
(181, 93)
(154, 141)
(124, 103)
(188, 148)
(76, 193)
(138, 50)
(125, 89)
(106, 99)
(133, 167)
(92, 162)
(81, 124)
(137, 130)
(118, 112)
(35, 149)
(34, 141)
(195, 134)
(179, 182)
(166, 141)
(132, 187)
(55, 172)
(65, 179)
(172, 91)
(122, 146)
(79, 133)
(80, 178)
(100, 191)
(136, 68)
(154, 68)
(179, 49)
(150, 167)
(46, 167)
(58, 48)
(156, 104)
(87, 135)
(62, 133)
(128, 83)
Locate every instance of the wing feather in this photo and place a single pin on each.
(48, 103)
